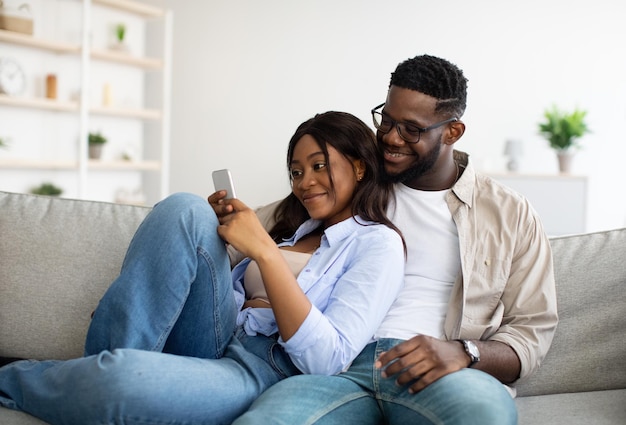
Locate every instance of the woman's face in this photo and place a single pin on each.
(311, 182)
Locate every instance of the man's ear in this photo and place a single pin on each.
(454, 133)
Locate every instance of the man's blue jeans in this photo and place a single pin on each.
(361, 396)
(163, 346)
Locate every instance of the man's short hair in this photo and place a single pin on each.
(434, 77)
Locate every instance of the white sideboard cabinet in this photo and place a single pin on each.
(560, 200)
(121, 90)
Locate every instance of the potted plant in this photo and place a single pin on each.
(96, 141)
(119, 31)
(562, 130)
(47, 189)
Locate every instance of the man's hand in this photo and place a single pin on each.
(422, 360)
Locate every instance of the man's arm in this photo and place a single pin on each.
(498, 360)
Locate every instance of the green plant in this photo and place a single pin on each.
(562, 129)
(96, 139)
(4, 143)
(120, 32)
(48, 189)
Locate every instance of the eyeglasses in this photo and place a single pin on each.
(410, 133)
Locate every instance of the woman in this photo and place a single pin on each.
(179, 338)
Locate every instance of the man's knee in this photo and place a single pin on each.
(465, 397)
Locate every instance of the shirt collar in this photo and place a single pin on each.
(464, 187)
(335, 233)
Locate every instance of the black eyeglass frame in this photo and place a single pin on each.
(396, 124)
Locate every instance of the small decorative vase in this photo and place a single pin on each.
(119, 46)
(565, 161)
(95, 151)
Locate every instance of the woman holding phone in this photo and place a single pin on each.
(179, 337)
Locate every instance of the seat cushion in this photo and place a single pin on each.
(595, 407)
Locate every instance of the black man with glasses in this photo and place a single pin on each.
(478, 307)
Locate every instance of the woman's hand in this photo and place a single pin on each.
(217, 202)
(241, 228)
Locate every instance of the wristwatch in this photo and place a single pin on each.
(472, 351)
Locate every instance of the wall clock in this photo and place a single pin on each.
(12, 77)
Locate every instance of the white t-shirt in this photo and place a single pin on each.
(433, 263)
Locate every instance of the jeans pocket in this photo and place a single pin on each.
(281, 362)
(268, 349)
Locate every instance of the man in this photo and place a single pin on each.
(478, 309)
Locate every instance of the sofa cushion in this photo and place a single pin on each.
(595, 407)
(588, 352)
(58, 257)
(14, 417)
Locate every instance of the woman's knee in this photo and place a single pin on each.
(184, 203)
(187, 210)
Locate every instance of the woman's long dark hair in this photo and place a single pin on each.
(352, 138)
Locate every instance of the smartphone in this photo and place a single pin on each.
(223, 180)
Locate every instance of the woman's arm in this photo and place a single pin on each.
(326, 328)
(350, 299)
(244, 231)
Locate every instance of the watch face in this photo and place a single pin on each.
(12, 78)
(472, 350)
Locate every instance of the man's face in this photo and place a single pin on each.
(410, 163)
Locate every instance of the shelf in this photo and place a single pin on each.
(38, 103)
(126, 59)
(58, 106)
(516, 175)
(132, 7)
(102, 165)
(29, 164)
(93, 164)
(38, 43)
(144, 114)
(60, 47)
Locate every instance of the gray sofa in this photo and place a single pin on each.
(57, 257)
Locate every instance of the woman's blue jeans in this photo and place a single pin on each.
(163, 347)
(362, 396)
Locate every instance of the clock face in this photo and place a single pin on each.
(12, 78)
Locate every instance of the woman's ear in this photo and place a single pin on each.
(359, 168)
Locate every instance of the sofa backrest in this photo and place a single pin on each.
(57, 258)
(588, 352)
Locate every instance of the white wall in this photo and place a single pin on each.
(247, 72)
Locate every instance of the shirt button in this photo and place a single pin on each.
(487, 262)
(308, 270)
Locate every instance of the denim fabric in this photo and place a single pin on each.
(174, 294)
(362, 396)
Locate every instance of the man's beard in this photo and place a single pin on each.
(418, 169)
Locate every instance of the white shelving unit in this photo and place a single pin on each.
(560, 200)
(85, 61)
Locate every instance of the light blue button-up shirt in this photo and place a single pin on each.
(351, 279)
